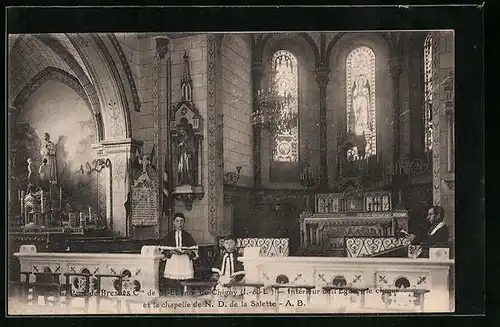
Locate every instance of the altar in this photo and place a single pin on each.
(340, 217)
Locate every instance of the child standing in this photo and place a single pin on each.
(180, 251)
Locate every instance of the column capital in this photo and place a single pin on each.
(116, 146)
(322, 76)
(396, 66)
(258, 68)
(162, 45)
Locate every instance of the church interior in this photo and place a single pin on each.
(321, 149)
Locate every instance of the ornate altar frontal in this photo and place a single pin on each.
(340, 217)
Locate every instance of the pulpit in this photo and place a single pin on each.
(338, 217)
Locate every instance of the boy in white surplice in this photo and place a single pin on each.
(227, 269)
(180, 251)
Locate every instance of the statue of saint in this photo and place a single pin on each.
(30, 169)
(49, 153)
(185, 155)
(361, 106)
(44, 174)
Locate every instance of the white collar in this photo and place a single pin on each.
(435, 229)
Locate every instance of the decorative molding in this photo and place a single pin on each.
(128, 71)
(368, 246)
(276, 196)
(110, 63)
(322, 77)
(119, 169)
(162, 44)
(115, 119)
(449, 179)
(214, 42)
(436, 146)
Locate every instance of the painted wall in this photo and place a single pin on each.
(56, 109)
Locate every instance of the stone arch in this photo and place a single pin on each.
(59, 75)
(61, 50)
(343, 43)
(337, 51)
(125, 73)
(309, 40)
(108, 85)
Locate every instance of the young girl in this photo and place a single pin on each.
(180, 250)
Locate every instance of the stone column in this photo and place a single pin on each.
(257, 75)
(161, 122)
(117, 181)
(215, 187)
(322, 79)
(396, 66)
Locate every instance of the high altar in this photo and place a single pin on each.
(352, 224)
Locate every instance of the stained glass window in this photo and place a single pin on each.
(285, 84)
(361, 120)
(428, 92)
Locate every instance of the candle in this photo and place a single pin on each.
(22, 202)
(81, 220)
(90, 213)
(42, 202)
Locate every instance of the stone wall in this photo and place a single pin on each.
(237, 105)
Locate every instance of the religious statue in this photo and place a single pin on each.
(30, 169)
(44, 174)
(49, 154)
(186, 155)
(361, 106)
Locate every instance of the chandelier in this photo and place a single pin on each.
(275, 110)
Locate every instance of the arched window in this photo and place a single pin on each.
(285, 84)
(428, 92)
(361, 118)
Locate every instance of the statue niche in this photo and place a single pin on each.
(186, 146)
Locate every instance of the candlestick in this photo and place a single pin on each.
(82, 222)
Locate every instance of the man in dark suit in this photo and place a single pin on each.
(438, 233)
